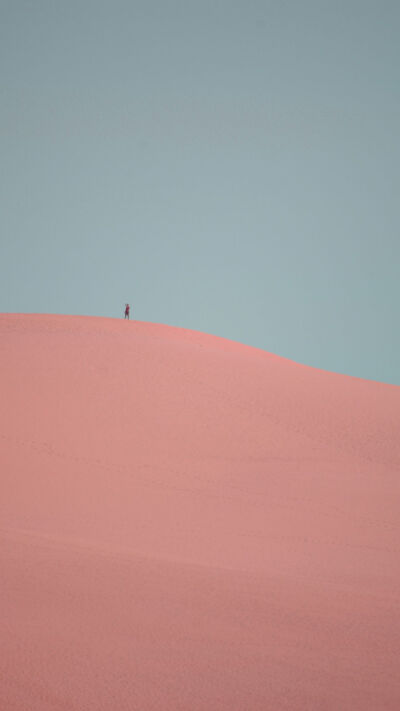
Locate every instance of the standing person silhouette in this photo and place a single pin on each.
(127, 309)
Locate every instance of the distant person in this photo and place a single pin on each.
(127, 309)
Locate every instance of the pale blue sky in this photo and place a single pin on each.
(226, 166)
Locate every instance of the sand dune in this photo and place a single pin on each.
(190, 524)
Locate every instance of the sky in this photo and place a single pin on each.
(228, 166)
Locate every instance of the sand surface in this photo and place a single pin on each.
(190, 524)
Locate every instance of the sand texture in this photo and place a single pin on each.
(191, 524)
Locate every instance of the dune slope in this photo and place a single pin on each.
(188, 523)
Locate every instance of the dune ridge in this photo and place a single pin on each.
(191, 523)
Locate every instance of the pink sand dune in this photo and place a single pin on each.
(190, 524)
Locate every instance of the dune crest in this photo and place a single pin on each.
(191, 523)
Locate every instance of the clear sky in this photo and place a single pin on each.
(231, 166)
